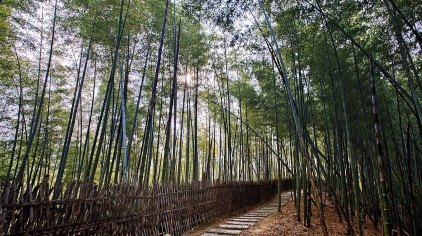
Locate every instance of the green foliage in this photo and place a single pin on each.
(6, 66)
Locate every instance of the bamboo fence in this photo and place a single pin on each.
(87, 209)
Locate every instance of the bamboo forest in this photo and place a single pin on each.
(210, 117)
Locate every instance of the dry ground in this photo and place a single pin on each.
(285, 223)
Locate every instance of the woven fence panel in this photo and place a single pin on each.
(86, 209)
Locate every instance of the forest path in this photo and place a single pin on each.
(235, 226)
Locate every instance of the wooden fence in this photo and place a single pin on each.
(85, 209)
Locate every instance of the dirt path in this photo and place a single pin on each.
(236, 225)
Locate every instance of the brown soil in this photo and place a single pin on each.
(285, 223)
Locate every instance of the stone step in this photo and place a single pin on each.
(251, 218)
(245, 220)
(232, 226)
(264, 211)
(256, 215)
(235, 226)
(224, 231)
(239, 222)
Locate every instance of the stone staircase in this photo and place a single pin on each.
(235, 226)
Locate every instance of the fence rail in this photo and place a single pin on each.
(86, 209)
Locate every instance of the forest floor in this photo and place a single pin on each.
(285, 223)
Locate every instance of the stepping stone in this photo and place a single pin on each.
(256, 215)
(229, 226)
(225, 231)
(247, 216)
(239, 222)
(251, 217)
(246, 220)
(276, 206)
(263, 212)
